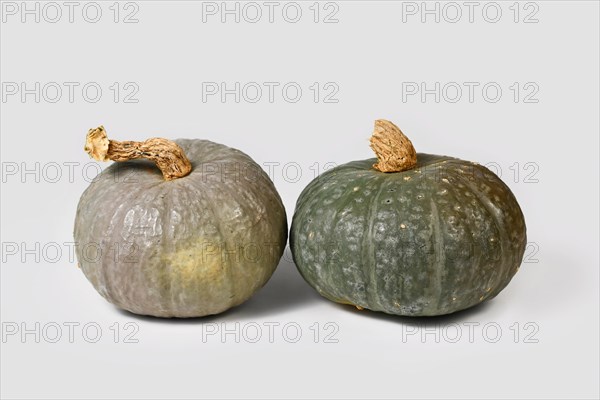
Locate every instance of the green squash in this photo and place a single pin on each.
(440, 236)
(198, 239)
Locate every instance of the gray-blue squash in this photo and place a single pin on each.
(182, 246)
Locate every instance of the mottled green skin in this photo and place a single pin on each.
(189, 247)
(438, 238)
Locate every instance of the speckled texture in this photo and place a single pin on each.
(439, 238)
(190, 247)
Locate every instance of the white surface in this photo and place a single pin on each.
(368, 54)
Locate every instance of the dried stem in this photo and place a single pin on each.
(395, 152)
(166, 154)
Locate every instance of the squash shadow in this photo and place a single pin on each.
(456, 317)
(285, 291)
(171, 320)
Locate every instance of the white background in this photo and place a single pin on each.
(541, 337)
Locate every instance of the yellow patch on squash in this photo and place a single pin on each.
(201, 261)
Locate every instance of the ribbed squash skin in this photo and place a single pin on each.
(189, 247)
(438, 238)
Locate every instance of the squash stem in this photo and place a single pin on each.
(395, 152)
(168, 156)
